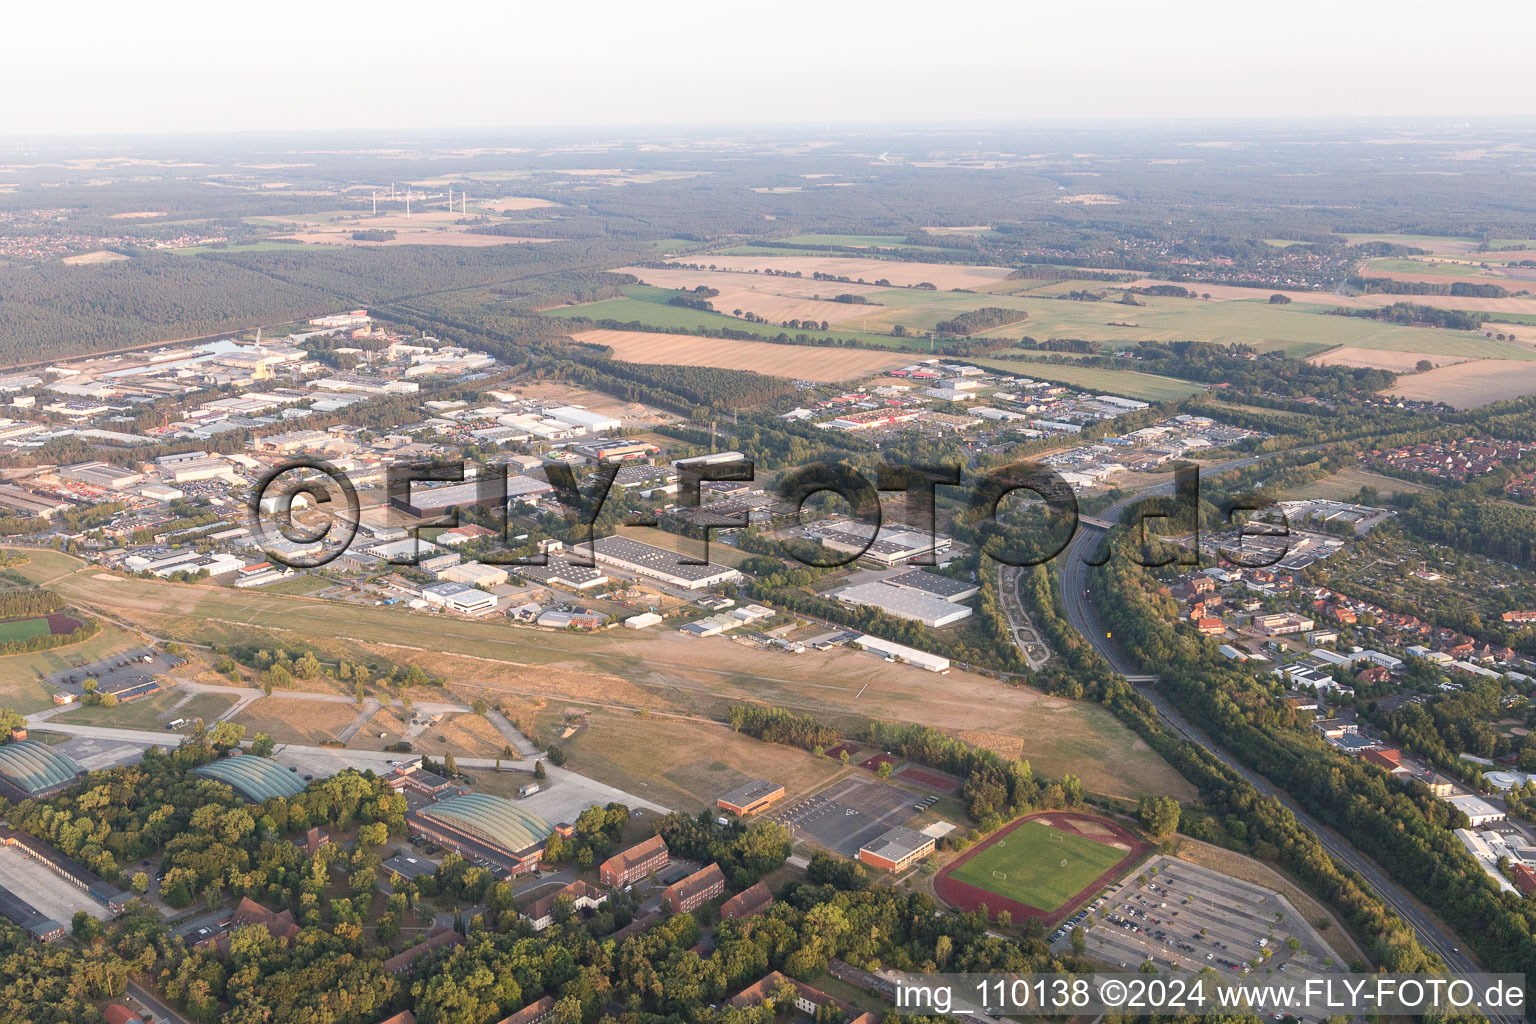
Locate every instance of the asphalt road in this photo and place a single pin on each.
(1084, 617)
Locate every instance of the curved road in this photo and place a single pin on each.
(1084, 618)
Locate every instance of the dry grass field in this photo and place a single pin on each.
(804, 362)
(295, 720)
(1380, 359)
(92, 258)
(687, 764)
(941, 275)
(1470, 384)
(624, 671)
(1346, 483)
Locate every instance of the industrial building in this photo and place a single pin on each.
(896, 850)
(888, 546)
(480, 825)
(659, 563)
(33, 770)
(933, 584)
(560, 573)
(28, 918)
(899, 652)
(258, 779)
(459, 597)
(430, 502)
(101, 474)
(904, 603)
(750, 798)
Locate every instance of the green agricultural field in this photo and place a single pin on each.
(1432, 243)
(1424, 266)
(1146, 386)
(240, 247)
(860, 240)
(22, 629)
(1026, 865)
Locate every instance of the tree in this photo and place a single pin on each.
(1279, 300)
(139, 883)
(1159, 815)
(1423, 366)
(263, 745)
(1079, 941)
(538, 770)
(450, 766)
(885, 769)
(479, 706)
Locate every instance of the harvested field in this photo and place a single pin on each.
(1381, 359)
(515, 203)
(901, 275)
(805, 362)
(776, 298)
(89, 258)
(1471, 384)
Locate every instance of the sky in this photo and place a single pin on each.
(112, 68)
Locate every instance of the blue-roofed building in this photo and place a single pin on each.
(33, 770)
(258, 779)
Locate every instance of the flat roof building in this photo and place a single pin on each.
(904, 603)
(896, 850)
(750, 798)
(660, 563)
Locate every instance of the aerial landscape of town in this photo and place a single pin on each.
(722, 574)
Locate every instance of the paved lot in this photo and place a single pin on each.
(94, 752)
(1192, 918)
(45, 890)
(849, 814)
(115, 670)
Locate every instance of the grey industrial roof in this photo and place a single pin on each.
(899, 842)
(255, 778)
(933, 583)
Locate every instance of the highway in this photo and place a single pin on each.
(1083, 616)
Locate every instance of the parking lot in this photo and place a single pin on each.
(95, 752)
(48, 893)
(849, 814)
(1192, 918)
(116, 671)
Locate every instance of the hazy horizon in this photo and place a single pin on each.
(476, 67)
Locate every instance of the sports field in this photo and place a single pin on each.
(1040, 866)
(23, 629)
(1037, 865)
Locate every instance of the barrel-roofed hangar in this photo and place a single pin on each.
(491, 819)
(256, 778)
(33, 770)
